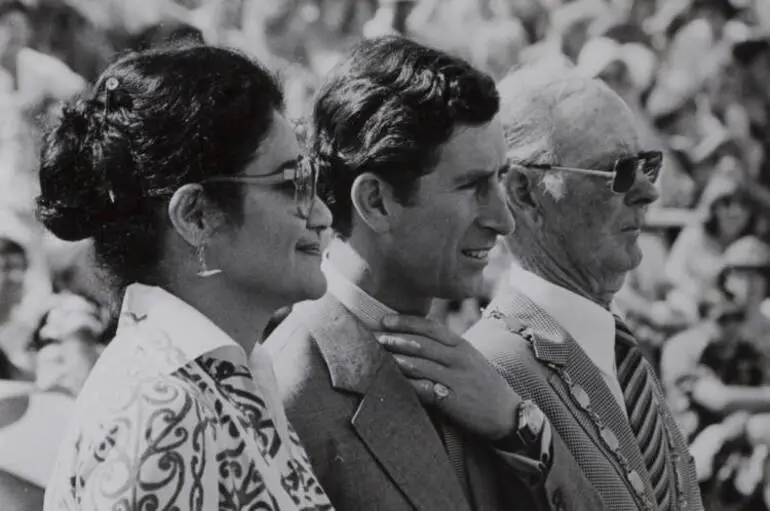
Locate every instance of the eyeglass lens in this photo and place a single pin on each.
(626, 170)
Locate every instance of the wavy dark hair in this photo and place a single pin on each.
(154, 121)
(387, 108)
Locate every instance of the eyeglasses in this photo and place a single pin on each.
(302, 175)
(623, 173)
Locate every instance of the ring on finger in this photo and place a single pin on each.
(440, 391)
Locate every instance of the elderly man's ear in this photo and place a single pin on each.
(523, 198)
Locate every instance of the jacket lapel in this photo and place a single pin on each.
(390, 420)
(554, 347)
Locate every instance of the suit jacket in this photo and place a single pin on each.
(527, 345)
(370, 440)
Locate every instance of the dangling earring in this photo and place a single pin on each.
(204, 271)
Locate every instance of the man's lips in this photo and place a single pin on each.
(479, 254)
(313, 247)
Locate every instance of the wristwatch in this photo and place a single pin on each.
(527, 431)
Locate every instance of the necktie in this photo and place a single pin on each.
(636, 381)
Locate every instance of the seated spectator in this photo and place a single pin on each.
(697, 254)
(745, 277)
(29, 82)
(13, 330)
(68, 342)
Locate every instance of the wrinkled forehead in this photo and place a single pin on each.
(594, 127)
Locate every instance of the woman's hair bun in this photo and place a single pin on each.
(73, 203)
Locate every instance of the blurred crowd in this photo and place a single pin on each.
(695, 72)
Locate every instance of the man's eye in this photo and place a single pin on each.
(472, 184)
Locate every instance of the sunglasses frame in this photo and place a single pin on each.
(298, 175)
(641, 159)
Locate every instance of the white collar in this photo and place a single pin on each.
(592, 326)
(184, 329)
(367, 309)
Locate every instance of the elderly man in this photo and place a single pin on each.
(412, 153)
(579, 186)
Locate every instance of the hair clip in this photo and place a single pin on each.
(111, 84)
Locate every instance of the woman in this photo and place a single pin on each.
(181, 167)
(696, 257)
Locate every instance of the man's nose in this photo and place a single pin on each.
(495, 215)
(643, 193)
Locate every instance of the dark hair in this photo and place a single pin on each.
(10, 6)
(11, 248)
(154, 121)
(162, 34)
(711, 223)
(387, 109)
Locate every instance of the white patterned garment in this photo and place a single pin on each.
(172, 418)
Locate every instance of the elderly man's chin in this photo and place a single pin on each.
(628, 257)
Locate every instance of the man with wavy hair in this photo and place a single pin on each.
(412, 156)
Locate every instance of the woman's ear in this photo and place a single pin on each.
(373, 201)
(193, 216)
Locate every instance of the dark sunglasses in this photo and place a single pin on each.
(303, 175)
(624, 171)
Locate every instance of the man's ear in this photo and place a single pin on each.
(193, 216)
(523, 197)
(374, 202)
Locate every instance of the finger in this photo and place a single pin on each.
(430, 392)
(421, 326)
(418, 347)
(399, 344)
(421, 369)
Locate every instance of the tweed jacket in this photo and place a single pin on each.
(530, 349)
(371, 442)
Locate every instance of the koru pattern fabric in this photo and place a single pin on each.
(198, 438)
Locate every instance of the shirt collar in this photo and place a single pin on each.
(592, 326)
(186, 331)
(367, 309)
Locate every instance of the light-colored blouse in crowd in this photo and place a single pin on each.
(172, 417)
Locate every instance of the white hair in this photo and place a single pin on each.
(540, 105)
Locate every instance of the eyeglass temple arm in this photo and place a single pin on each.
(585, 171)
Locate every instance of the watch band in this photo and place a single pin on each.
(531, 437)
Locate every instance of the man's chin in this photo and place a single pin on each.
(463, 288)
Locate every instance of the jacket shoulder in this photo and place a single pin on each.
(510, 353)
(304, 381)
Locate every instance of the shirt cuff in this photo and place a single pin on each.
(537, 460)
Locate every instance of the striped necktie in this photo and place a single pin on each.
(636, 381)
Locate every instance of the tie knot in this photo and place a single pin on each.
(623, 334)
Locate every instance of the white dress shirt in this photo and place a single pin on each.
(592, 326)
(367, 309)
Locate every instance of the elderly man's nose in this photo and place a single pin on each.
(643, 193)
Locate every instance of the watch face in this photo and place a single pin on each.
(533, 417)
